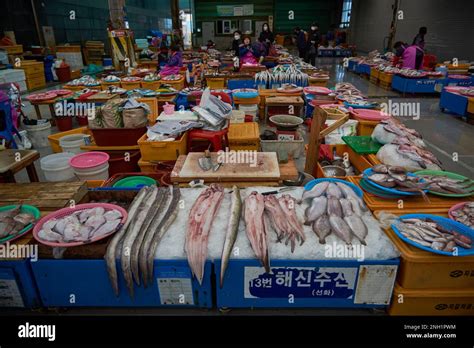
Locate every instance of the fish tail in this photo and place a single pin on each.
(322, 241)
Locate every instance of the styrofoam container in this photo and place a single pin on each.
(100, 174)
(347, 129)
(72, 143)
(56, 167)
(293, 148)
(251, 109)
(238, 116)
(38, 134)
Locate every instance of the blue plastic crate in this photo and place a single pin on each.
(18, 281)
(459, 82)
(326, 53)
(85, 283)
(236, 84)
(424, 85)
(454, 103)
(305, 284)
(351, 65)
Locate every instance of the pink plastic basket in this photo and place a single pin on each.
(68, 211)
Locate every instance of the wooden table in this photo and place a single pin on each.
(50, 103)
(288, 171)
(265, 93)
(12, 161)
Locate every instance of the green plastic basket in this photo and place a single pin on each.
(362, 144)
(449, 175)
(24, 209)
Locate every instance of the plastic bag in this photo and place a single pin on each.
(108, 116)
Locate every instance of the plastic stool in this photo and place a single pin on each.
(214, 137)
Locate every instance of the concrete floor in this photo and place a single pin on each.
(444, 134)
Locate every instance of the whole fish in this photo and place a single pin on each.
(201, 218)
(111, 252)
(346, 207)
(322, 228)
(288, 205)
(333, 190)
(137, 243)
(316, 191)
(132, 235)
(255, 227)
(317, 208)
(349, 192)
(340, 228)
(165, 223)
(358, 227)
(276, 217)
(232, 229)
(334, 207)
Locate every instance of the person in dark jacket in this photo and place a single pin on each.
(236, 42)
(247, 53)
(312, 45)
(266, 37)
(419, 39)
(300, 42)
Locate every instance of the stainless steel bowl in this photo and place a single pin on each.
(333, 171)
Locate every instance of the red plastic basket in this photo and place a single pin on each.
(117, 136)
(68, 211)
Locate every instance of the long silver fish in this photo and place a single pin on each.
(132, 235)
(137, 243)
(232, 229)
(110, 254)
(166, 222)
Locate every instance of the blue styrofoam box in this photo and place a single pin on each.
(17, 277)
(87, 283)
(408, 85)
(236, 84)
(454, 103)
(306, 284)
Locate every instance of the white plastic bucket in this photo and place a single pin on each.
(72, 143)
(56, 167)
(38, 134)
(251, 109)
(96, 173)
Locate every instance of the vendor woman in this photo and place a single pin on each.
(412, 56)
(175, 62)
(248, 54)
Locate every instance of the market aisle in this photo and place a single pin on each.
(444, 134)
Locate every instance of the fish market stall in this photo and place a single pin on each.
(457, 100)
(17, 252)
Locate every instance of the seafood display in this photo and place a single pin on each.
(81, 226)
(150, 214)
(254, 207)
(431, 234)
(463, 214)
(396, 178)
(280, 75)
(403, 145)
(200, 221)
(13, 221)
(282, 218)
(446, 185)
(335, 208)
(232, 229)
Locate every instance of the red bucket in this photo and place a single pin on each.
(118, 163)
(64, 74)
(64, 123)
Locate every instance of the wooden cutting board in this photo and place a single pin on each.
(266, 168)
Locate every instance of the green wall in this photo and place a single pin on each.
(324, 12)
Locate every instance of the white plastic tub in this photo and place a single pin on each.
(72, 143)
(56, 167)
(283, 148)
(38, 134)
(251, 109)
(102, 173)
